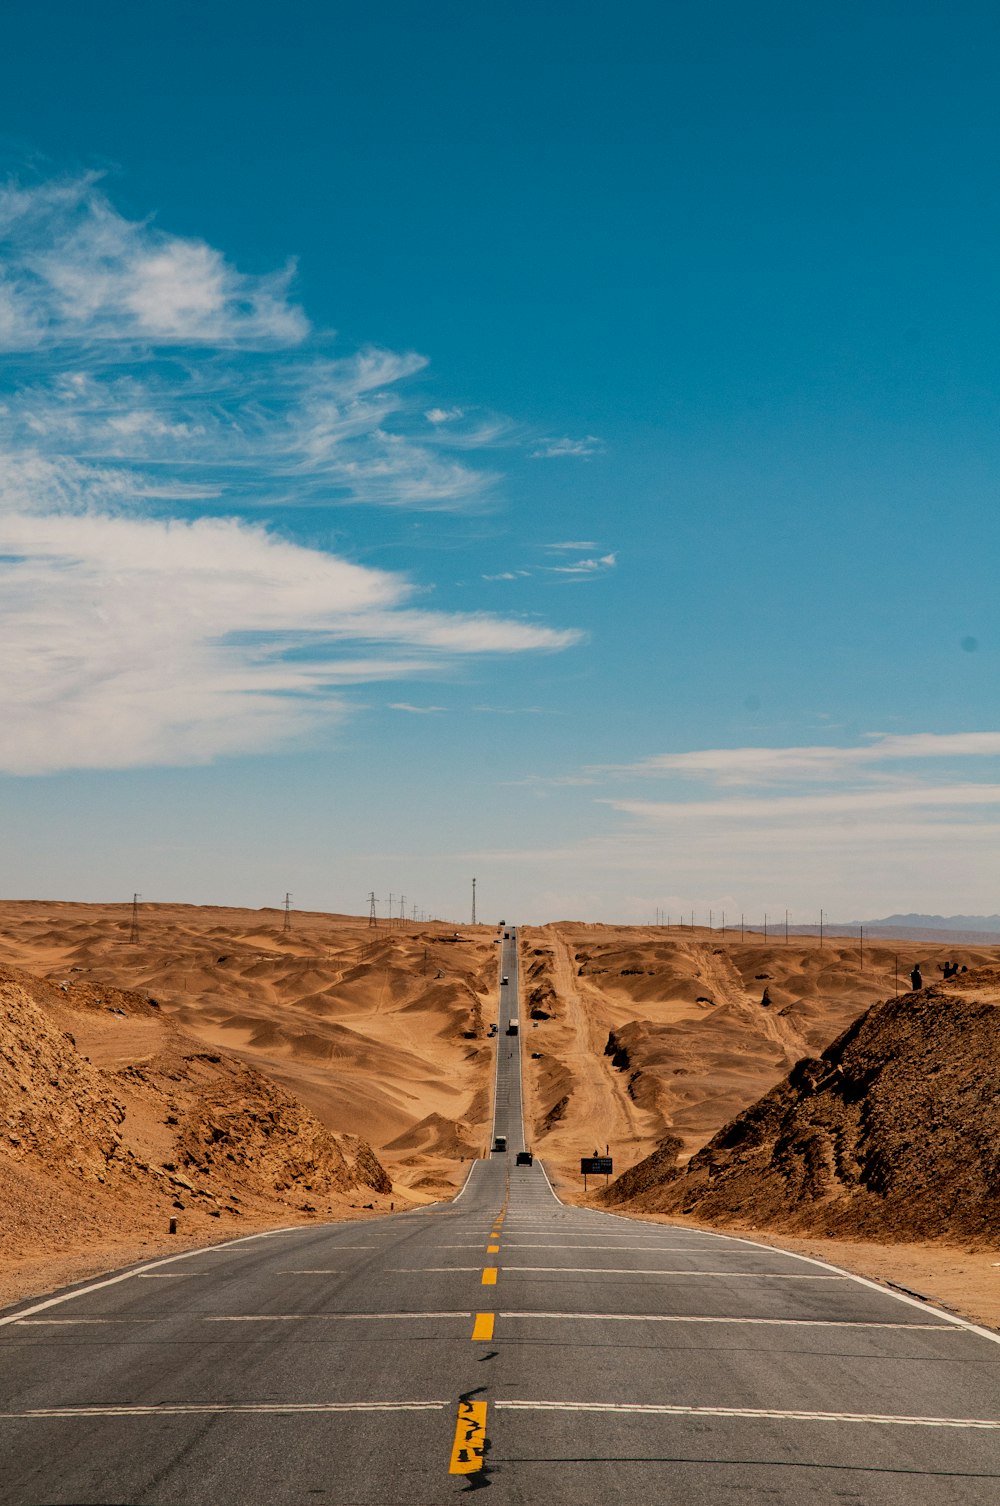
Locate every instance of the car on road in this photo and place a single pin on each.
(500, 1142)
(524, 1158)
(512, 1027)
(503, 980)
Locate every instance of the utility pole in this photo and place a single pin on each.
(390, 909)
(402, 909)
(861, 947)
(709, 920)
(723, 922)
(765, 925)
(821, 928)
(786, 927)
(473, 901)
(741, 925)
(372, 918)
(133, 934)
(287, 925)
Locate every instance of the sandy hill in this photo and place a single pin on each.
(892, 1132)
(113, 1120)
(371, 1030)
(640, 1033)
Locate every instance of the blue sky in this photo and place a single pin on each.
(551, 442)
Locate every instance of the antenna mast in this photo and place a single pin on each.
(473, 901)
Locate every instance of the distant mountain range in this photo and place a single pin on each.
(939, 922)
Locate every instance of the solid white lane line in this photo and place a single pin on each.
(763, 1322)
(296, 1272)
(180, 1409)
(323, 1317)
(602, 1270)
(412, 1270)
(754, 1412)
(162, 1275)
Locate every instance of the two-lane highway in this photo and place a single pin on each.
(504, 1342)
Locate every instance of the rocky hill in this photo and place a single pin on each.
(891, 1133)
(113, 1121)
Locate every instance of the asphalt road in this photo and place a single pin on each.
(504, 1343)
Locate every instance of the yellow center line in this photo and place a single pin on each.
(482, 1328)
(469, 1449)
(492, 1249)
(489, 1276)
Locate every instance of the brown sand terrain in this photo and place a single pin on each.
(227, 1056)
(113, 1121)
(636, 1033)
(881, 1154)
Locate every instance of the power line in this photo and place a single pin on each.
(473, 901)
(372, 917)
(287, 924)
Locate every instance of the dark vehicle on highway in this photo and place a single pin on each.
(524, 1158)
(503, 980)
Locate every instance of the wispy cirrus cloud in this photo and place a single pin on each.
(156, 400)
(593, 566)
(742, 766)
(559, 449)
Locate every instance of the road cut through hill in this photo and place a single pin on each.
(501, 1341)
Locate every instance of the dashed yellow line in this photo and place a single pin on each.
(468, 1452)
(482, 1328)
(492, 1249)
(489, 1276)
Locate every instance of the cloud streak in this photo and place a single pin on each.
(151, 380)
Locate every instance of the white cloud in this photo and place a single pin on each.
(77, 269)
(585, 567)
(416, 710)
(155, 377)
(508, 575)
(769, 765)
(443, 415)
(573, 544)
(557, 449)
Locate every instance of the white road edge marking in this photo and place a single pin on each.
(754, 1412)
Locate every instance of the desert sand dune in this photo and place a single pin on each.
(637, 1034)
(373, 1030)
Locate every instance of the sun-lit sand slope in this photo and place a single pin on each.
(114, 1120)
(379, 1032)
(891, 1133)
(634, 1034)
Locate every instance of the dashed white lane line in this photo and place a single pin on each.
(639, 1409)
(181, 1409)
(97, 1286)
(603, 1270)
(76, 1322)
(414, 1270)
(763, 1322)
(323, 1272)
